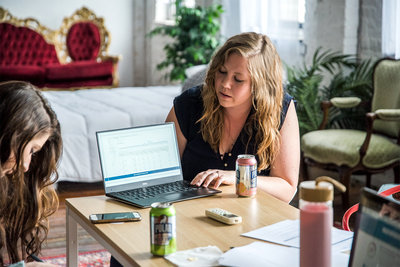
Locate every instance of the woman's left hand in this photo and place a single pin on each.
(214, 178)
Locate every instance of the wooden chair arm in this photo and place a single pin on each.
(339, 102)
(370, 117)
(325, 105)
(388, 114)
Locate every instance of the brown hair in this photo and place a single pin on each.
(27, 199)
(265, 69)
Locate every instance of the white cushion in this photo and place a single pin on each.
(193, 70)
(196, 79)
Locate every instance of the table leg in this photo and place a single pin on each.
(72, 240)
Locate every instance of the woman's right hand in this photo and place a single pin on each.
(214, 178)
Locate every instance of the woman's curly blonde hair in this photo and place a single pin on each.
(265, 69)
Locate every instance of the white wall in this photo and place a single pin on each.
(148, 52)
(117, 14)
(324, 26)
(370, 29)
(345, 26)
(230, 20)
(351, 19)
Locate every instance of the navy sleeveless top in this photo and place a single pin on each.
(198, 155)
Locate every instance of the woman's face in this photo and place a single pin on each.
(31, 148)
(233, 82)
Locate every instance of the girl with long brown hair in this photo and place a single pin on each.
(240, 109)
(30, 147)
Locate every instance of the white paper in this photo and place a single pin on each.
(266, 254)
(344, 246)
(287, 233)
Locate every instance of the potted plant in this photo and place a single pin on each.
(330, 74)
(195, 38)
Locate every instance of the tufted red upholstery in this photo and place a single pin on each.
(23, 46)
(83, 41)
(26, 55)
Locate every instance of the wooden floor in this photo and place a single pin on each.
(56, 241)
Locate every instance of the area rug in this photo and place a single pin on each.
(86, 259)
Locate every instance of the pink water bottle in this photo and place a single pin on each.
(316, 219)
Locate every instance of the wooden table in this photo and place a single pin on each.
(130, 242)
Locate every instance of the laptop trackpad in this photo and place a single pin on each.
(176, 196)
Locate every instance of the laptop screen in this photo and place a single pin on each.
(377, 232)
(139, 156)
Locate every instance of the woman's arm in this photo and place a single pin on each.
(179, 135)
(283, 179)
(284, 174)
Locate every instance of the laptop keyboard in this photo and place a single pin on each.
(153, 191)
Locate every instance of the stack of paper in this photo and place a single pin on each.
(286, 233)
(270, 255)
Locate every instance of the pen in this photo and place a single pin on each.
(36, 258)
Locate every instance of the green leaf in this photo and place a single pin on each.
(195, 38)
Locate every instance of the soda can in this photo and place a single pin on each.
(162, 229)
(246, 176)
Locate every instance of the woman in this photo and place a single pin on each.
(240, 109)
(30, 146)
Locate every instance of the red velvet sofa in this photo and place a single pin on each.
(73, 56)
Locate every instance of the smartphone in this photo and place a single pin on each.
(115, 217)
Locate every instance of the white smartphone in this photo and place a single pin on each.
(115, 217)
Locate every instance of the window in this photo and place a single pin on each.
(391, 28)
(166, 10)
(281, 21)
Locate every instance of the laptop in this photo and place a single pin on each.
(141, 165)
(376, 239)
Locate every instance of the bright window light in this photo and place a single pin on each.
(165, 10)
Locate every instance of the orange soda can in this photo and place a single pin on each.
(246, 176)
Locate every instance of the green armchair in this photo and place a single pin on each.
(360, 152)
